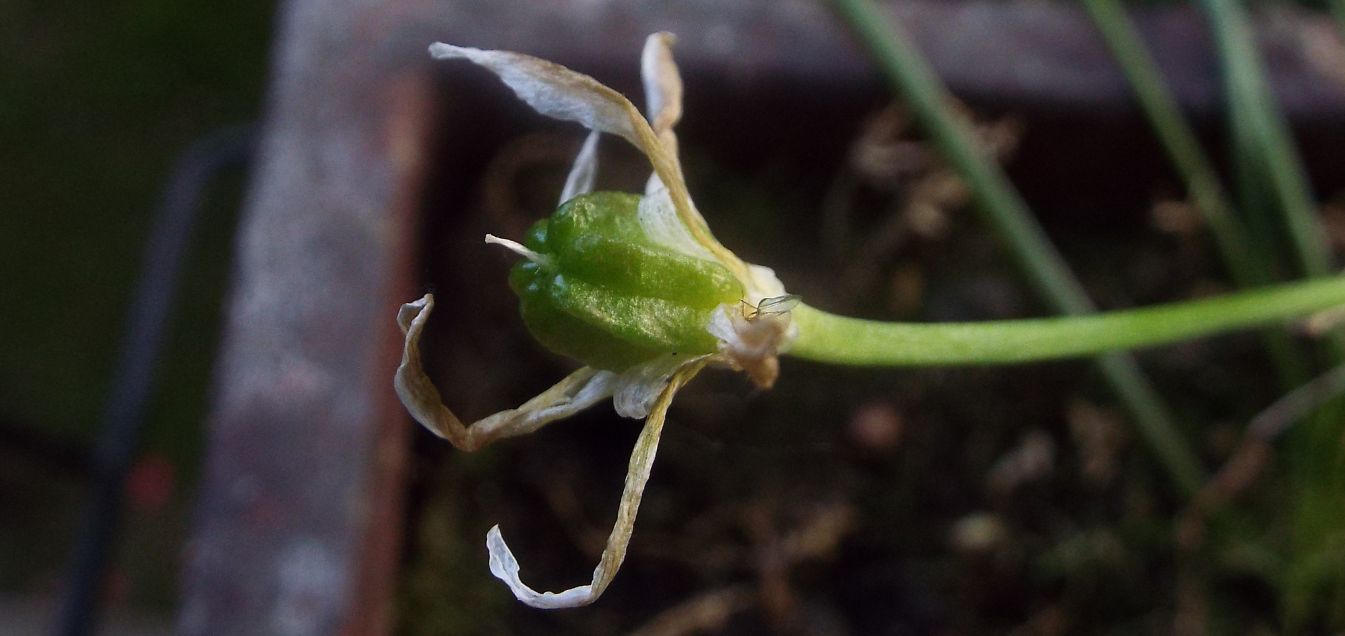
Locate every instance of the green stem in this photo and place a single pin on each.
(1005, 211)
(826, 337)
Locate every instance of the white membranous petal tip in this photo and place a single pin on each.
(584, 171)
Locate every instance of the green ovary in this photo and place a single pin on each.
(610, 297)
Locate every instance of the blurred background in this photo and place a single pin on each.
(929, 501)
(98, 102)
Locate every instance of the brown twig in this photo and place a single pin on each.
(701, 613)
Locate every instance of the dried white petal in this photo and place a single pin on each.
(639, 386)
(662, 85)
(763, 284)
(584, 170)
(723, 324)
(505, 567)
(576, 392)
(553, 90)
(661, 223)
(556, 91)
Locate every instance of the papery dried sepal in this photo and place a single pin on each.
(576, 392)
(504, 565)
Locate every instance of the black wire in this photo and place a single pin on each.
(123, 418)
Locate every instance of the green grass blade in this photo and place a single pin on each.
(1263, 146)
(1245, 263)
(1178, 139)
(1262, 137)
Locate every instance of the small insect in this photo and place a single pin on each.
(758, 332)
(773, 306)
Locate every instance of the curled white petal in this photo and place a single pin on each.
(576, 392)
(584, 170)
(662, 84)
(505, 566)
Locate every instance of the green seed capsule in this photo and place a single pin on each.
(607, 295)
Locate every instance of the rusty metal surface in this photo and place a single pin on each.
(299, 515)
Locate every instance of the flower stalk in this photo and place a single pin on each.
(826, 337)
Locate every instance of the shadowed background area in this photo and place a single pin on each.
(99, 100)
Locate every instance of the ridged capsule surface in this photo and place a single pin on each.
(605, 294)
